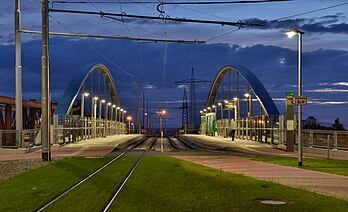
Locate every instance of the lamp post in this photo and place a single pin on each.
(118, 118)
(161, 113)
(100, 107)
(290, 34)
(129, 118)
(222, 118)
(85, 94)
(124, 112)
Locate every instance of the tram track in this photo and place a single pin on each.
(129, 147)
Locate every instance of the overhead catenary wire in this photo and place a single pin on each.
(286, 17)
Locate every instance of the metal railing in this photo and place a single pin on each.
(64, 129)
(271, 129)
(22, 138)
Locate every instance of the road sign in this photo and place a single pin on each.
(300, 100)
(290, 93)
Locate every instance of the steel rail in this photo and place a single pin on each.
(85, 179)
(155, 40)
(123, 183)
(122, 15)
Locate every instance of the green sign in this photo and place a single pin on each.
(291, 93)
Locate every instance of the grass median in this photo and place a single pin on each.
(30, 190)
(169, 184)
(332, 166)
(160, 183)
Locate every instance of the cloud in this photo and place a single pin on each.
(328, 90)
(341, 83)
(325, 24)
(321, 69)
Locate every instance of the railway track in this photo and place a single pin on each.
(149, 141)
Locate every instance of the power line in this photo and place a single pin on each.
(312, 11)
(239, 23)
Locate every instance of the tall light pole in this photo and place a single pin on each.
(129, 118)
(18, 71)
(160, 114)
(83, 96)
(101, 102)
(222, 119)
(45, 86)
(290, 34)
(118, 119)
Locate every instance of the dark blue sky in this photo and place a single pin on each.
(266, 51)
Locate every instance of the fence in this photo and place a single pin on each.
(271, 129)
(64, 129)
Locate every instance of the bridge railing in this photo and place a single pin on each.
(325, 139)
(272, 129)
(64, 129)
(68, 129)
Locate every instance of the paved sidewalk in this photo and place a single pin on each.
(265, 148)
(92, 147)
(319, 182)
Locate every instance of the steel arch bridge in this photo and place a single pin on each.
(252, 81)
(76, 86)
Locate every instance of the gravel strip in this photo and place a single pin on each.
(11, 168)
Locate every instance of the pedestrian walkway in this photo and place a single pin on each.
(91, 147)
(266, 148)
(319, 182)
(323, 183)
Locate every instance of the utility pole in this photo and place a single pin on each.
(45, 86)
(18, 72)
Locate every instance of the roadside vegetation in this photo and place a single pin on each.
(160, 183)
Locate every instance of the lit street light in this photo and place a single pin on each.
(129, 118)
(290, 34)
(85, 94)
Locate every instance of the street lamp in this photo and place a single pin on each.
(161, 113)
(129, 118)
(290, 34)
(85, 94)
(124, 112)
(118, 119)
(100, 107)
(107, 110)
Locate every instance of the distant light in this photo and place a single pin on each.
(95, 98)
(208, 108)
(163, 112)
(145, 114)
(124, 111)
(235, 98)
(103, 101)
(205, 110)
(109, 103)
(226, 101)
(113, 106)
(246, 95)
(213, 106)
(201, 111)
(86, 94)
(219, 103)
(129, 118)
(121, 109)
(118, 108)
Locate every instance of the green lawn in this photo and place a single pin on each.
(159, 184)
(169, 184)
(339, 167)
(30, 190)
